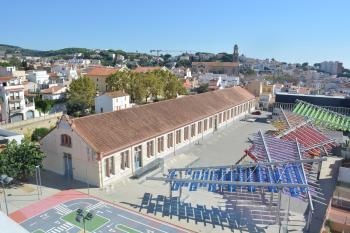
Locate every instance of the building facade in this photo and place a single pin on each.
(99, 76)
(229, 68)
(112, 101)
(102, 148)
(39, 77)
(14, 105)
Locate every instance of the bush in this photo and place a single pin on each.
(39, 133)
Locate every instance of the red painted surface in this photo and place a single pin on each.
(45, 204)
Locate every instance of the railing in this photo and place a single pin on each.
(290, 106)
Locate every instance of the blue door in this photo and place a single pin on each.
(68, 165)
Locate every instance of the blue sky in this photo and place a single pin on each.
(287, 30)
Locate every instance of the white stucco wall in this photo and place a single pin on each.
(85, 166)
(93, 171)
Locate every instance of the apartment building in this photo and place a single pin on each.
(112, 101)
(14, 106)
(102, 148)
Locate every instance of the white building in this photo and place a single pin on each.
(38, 76)
(101, 148)
(53, 93)
(7, 136)
(112, 101)
(12, 71)
(331, 67)
(14, 106)
(224, 79)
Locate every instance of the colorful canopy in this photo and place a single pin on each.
(323, 116)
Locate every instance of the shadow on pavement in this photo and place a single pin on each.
(172, 207)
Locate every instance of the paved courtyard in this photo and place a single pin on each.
(58, 214)
(244, 212)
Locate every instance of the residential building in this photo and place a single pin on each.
(14, 106)
(39, 77)
(229, 68)
(101, 148)
(7, 136)
(223, 80)
(144, 69)
(255, 87)
(12, 71)
(53, 93)
(331, 67)
(99, 75)
(112, 101)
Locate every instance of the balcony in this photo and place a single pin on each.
(15, 99)
(16, 109)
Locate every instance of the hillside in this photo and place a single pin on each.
(39, 53)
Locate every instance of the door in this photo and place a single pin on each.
(215, 123)
(68, 165)
(138, 157)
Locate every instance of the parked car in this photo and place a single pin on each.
(256, 113)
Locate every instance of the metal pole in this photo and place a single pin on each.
(279, 210)
(37, 181)
(3, 188)
(40, 186)
(84, 223)
(170, 192)
(180, 191)
(288, 211)
(87, 182)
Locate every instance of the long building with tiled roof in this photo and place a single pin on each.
(104, 147)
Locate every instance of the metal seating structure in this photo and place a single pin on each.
(322, 116)
(292, 126)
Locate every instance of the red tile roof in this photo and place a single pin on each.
(116, 94)
(143, 69)
(52, 90)
(101, 71)
(5, 78)
(110, 132)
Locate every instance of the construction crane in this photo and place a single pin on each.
(157, 51)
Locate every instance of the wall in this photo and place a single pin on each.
(84, 161)
(27, 126)
(172, 150)
(344, 175)
(105, 102)
(87, 167)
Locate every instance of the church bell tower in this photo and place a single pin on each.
(235, 53)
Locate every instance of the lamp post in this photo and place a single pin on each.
(4, 180)
(83, 216)
(38, 180)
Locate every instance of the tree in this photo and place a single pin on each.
(43, 106)
(172, 86)
(81, 95)
(39, 133)
(203, 88)
(19, 160)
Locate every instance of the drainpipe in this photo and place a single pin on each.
(174, 135)
(100, 170)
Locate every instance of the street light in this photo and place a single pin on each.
(83, 216)
(5, 180)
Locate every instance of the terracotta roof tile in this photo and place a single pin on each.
(52, 90)
(143, 69)
(215, 63)
(101, 71)
(113, 131)
(116, 94)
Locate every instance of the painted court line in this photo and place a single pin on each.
(127, 229)
(141, 223)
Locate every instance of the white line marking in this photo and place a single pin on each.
(141, 223)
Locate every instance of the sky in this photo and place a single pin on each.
(286, 30)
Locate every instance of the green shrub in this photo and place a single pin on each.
(39, 133)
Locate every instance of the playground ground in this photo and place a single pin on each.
(58, 213)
